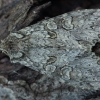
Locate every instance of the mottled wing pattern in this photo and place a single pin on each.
(60, 46)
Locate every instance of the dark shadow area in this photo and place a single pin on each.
(96, 49)
(92, 95)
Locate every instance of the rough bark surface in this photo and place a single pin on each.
(65, 49)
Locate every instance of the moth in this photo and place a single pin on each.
(62, 48)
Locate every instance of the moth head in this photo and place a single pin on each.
(10, 47)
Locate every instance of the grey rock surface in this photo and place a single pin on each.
(61, 49)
